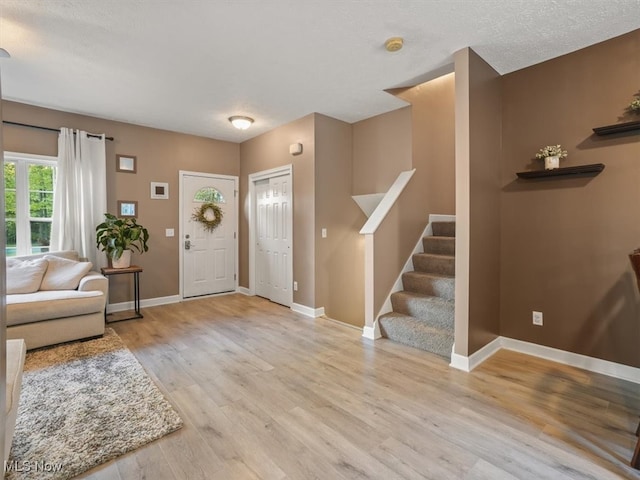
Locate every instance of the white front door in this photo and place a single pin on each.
(208, 257)
(273, 239)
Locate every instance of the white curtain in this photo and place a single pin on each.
(80, 198)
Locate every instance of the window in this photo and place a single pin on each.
(209, 194)
(28, 188)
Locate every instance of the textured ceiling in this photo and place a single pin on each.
(187, 65)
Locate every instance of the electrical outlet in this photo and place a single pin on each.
(295, 286)
(537, 318)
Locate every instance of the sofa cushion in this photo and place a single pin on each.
(25, 276)
(63, 274)
(49, 305)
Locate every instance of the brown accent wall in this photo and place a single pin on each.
(565, 242)
(160, 155)
(381, 150)
(271, 150)
(339, 256)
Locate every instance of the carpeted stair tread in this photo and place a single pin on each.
(416, 333)
(444, 229)
(423, 313)
(437, 312)
(429, 284)
(432, 263)
(439, 245)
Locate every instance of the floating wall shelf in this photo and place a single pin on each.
(580, 170)
(618, 128)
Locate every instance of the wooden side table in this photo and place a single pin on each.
(135, 270)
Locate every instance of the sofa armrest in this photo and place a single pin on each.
(94, 281)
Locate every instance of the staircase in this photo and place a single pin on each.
(423, 313)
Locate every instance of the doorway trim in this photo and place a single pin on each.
(181, 175)
(253, 178)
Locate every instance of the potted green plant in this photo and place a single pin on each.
(551, 155)
(117, 237)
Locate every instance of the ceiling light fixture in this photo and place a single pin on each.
(394, 44)
(240, 122)
(4, 53)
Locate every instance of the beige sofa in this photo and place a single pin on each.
(54, 298)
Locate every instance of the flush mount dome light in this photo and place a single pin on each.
(241, 123)
(394, 44)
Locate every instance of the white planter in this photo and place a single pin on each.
(552, 162)
(124, 261)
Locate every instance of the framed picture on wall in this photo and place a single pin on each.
(160, 190)
(126, 163)
(127, 208)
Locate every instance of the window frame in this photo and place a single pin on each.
(23, 211)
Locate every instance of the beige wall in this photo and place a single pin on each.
(3, 305)
(381, 150)
(485, 115)
(160, 155)
(565, 242)
(271, 150)
(430, 190)
(339, 256)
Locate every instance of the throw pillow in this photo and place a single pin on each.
(63, 274)
(25, 276)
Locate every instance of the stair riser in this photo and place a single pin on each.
(444, 229)
(441, 265)
(438, 287)
(439, 245)
(434, 314)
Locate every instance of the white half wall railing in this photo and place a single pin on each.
(368, 203)
(371, 329)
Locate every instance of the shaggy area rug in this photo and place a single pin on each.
(81, 405)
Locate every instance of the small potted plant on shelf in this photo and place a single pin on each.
(551, 155)
(634, 106)
(117, 237)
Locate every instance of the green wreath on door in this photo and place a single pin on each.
(209, 221)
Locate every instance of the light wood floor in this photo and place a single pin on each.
(269, 394)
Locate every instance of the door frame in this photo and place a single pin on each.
(181, 175)
(252, 218)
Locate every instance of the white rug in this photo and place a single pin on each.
(83, 404)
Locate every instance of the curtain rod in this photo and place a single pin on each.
(48, 129)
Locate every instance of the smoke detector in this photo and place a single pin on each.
(394, 44)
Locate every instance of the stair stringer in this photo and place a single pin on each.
(408, 266)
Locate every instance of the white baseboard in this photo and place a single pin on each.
(372, 333)
(596, 365)
(148, 302)
(244, 291)
(466, 364)
(307, 311)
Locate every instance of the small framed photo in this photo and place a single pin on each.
(126, 163)
(160, 190)
(127, 208)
